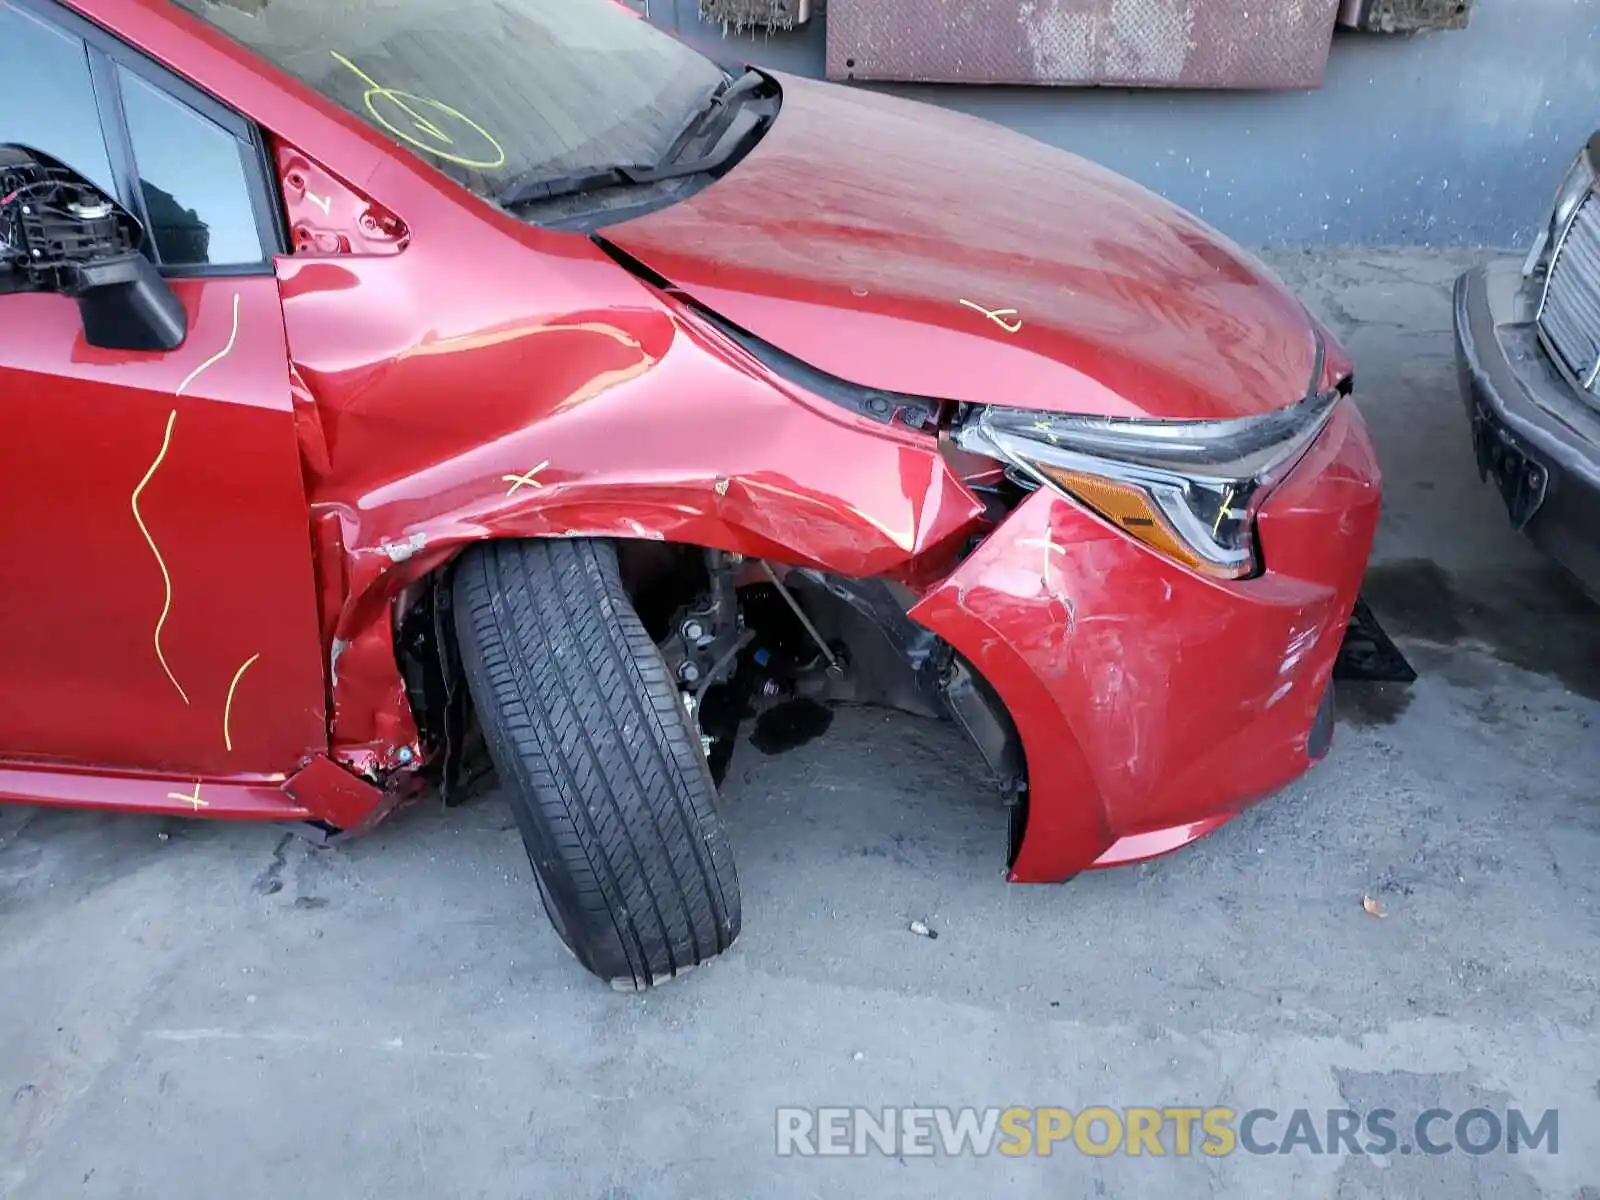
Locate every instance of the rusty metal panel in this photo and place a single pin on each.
(1138, 43)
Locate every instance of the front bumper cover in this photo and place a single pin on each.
(1153, 704)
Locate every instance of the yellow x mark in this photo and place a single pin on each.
(1049, 548)
(517, 481)
(997, 315)
(193, 800)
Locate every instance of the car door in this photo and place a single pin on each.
(157, 590)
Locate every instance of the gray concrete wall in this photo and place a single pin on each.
(1453, 138)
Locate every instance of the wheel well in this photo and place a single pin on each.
(659, 577)
(879, 656)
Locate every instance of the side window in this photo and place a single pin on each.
(192, 176)
(47, 99)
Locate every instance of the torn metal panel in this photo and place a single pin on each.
(329, 793)
(1137, 43)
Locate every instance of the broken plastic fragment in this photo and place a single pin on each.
(400, 551)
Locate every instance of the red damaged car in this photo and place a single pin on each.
(377, 376)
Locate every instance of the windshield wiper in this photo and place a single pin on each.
(674, 165)
(729, 92)
(591, 179)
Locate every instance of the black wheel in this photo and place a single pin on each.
(609, 784)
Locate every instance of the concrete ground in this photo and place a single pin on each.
(194, 1010)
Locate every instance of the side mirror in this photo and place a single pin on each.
(59, 233)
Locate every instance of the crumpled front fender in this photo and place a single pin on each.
(677, 435)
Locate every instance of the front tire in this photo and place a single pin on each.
(608, 782)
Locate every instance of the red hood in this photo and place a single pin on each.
(854, 231)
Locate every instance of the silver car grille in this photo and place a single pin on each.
(1569, 317)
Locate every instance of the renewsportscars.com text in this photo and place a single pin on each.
(1176, 1131)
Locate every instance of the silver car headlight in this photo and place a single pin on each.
(1189, 490)
(1574, 190)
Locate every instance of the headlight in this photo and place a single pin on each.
(1574, 189)
(1187, 489)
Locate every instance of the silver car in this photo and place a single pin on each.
(1528, 348)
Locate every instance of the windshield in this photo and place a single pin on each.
(489, 91)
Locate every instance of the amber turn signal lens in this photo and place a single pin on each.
(1131, 510)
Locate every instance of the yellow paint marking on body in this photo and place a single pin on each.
(193, 800)
(528, 479)
(233, 337)
(1049, 548)
(166, 579)
(227, 708)
(997, 315)
(138, 517)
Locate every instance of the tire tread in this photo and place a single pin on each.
(609, 784)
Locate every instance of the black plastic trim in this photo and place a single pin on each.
(126, 306)
(119, 149)
(918, 413)
(1320, 740)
